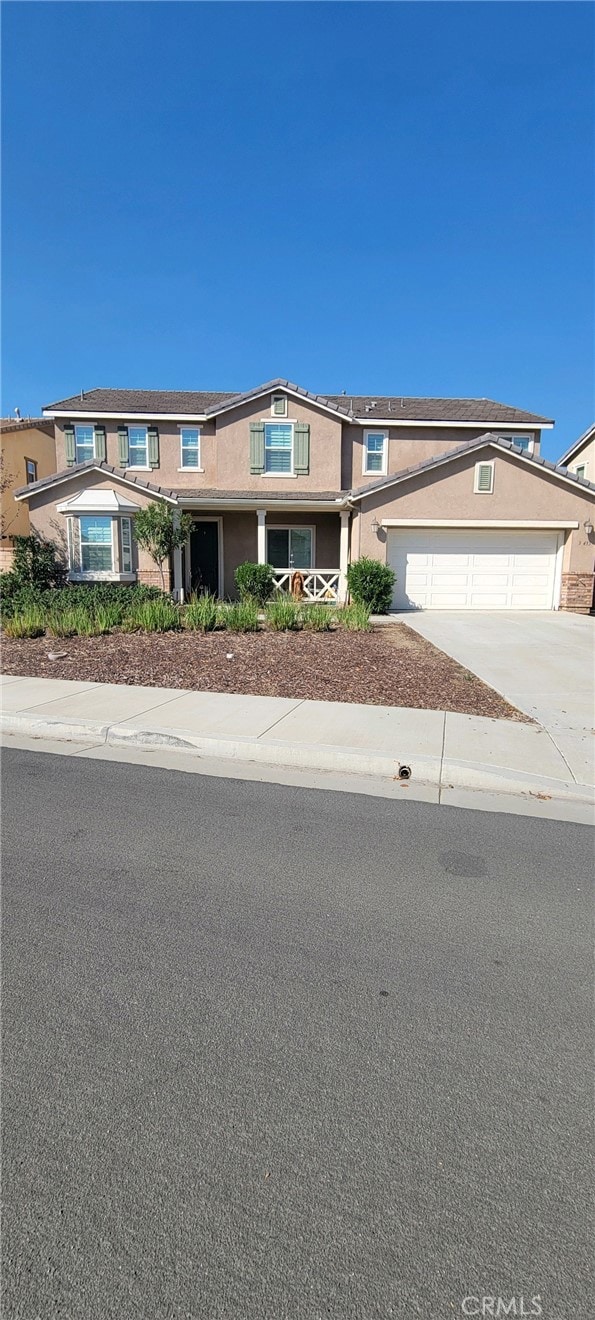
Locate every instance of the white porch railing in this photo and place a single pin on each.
(322, 584)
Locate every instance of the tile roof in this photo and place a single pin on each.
(404, 408)
(92, 465)
(263, 497)
(27, 424)
(360, 407)
(446, 457)
(181, 493)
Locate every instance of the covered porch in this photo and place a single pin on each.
(311, 540)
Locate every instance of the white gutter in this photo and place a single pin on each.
(517, 427)
(127, 416)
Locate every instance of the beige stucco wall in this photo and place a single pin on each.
(225, 450)
(585, 457)
(519, 493)
(16, 447)
(410, 445)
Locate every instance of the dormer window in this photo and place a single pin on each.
(279, 405)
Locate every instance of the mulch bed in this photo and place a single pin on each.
(390, 666)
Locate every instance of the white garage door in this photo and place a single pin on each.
(472, 570)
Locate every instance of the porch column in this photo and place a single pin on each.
(178, 584)
(261, 515)
(344, 554)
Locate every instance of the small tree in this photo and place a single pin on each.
(160, 530)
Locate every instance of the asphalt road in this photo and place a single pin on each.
(272, 1052)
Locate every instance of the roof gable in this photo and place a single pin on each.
(482, 442)
(67, 474)
(579, 444)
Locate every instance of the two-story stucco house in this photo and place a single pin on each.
(28, 454)
(453, 493)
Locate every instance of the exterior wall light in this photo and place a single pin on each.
(376, 525)
(588, 526)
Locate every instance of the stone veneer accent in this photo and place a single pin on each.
(152, 577)
(577, 592)
(6, 558)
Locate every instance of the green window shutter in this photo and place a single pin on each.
(100, 445)
(69, 445)
(257, 446)
(301, 449)
(123, 446)
(153, 439)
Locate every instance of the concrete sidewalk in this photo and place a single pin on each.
(442, 750)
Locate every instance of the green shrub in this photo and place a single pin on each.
(36, 562)
(255, 581)
(239, 616)
(201, 613)
(283, 614)
(318, 617)
(65, 623)
(153, 616)
(14, 597)
(371, 583)
(28, 624)
(354, 618)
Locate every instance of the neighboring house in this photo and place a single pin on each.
(580, 458)
(28, 451)
(452, 492)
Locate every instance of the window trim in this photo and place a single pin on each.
(33, 461)
(375, 472)
(199, 467)
(276, 398)
(291, 471)
(487, 463)
(86, 426)
(293, 527)
(581, 470)
(116, 573)
(138, 467)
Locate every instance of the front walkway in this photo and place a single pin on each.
(542, 663)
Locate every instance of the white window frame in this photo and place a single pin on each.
(86, 426)
(33, 462)
(515, 437)
(484, 463)
(138, 467)
(375, 472)
(290, 472)
(199, 467)
(580, 470)
(275, 399)
(294, 527)
(117, 573)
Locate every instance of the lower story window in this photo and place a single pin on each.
(100, 545)
(289, 547)
(97, 552)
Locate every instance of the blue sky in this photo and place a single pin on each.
(383, 198)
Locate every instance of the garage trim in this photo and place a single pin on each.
(424, 547)
(521, 524)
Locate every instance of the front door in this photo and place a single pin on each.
(204, 558)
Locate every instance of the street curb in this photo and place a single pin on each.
(425, 770)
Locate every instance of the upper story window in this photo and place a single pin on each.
(31, 469)
(138, 447)
(190, 447)
(580, 470)
(84, 438)
(375, 452)
(524, 442)
(279, 405)
(278, 447)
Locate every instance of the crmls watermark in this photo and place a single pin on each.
(498, 1308)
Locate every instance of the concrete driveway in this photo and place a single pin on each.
(542, 663)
